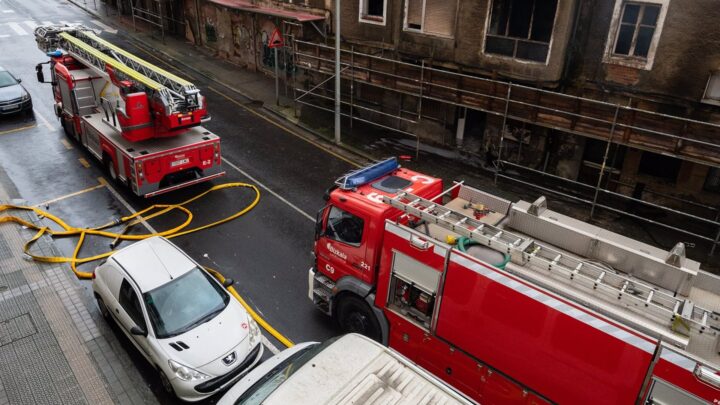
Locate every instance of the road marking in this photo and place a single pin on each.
(4, 36)
(66, 144)
(269, 345)
(10, 131)
(17, 28)
(278, 196)
(84, 163)
(104, 26)
(43, 119)
(125, 203)
(66, 196)
(284, 128)
(8, 11)
(31, 24)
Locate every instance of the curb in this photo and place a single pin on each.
(87, 10)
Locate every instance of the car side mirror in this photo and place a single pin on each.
(319, 223)
(228, 282)
(19, 80)
(138, 331)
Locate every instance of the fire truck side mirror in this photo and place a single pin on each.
(318, 223)
(39, 73)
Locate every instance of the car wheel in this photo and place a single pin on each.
(166, 383)
(355, 316)
(104, 311)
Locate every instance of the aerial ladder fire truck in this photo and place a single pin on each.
(142, 122)
(511, 302)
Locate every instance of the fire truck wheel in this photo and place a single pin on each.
(110, 168)
(68, 128)
(354, 316)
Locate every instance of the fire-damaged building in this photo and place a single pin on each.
(600, 100)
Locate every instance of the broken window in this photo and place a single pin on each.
(434, 17)
(521, 28)
(372, 11)
(636, 29)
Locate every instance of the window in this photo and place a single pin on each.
(131, 304)
(521, 29)
(635, 32)
(373, 11)
(345, 227)
(657, 165)
(433, 17)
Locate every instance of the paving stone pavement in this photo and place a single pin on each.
(55, 348)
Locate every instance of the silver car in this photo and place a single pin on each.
(14, 98)
(182, 320)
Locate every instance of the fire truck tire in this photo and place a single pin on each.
(354, 316)
(110, 166)
(68, 128)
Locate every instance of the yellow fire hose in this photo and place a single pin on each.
(129, 221)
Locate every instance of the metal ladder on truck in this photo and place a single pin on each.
(81, 42)
(681, 315)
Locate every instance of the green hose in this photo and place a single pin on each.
(463, 243)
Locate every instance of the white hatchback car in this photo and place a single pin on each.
(179, 317)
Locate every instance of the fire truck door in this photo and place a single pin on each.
(342, 245)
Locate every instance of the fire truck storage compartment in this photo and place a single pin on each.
(413, 288)
(570, 355)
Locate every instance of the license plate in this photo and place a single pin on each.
(179, 162)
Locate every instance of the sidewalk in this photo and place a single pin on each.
(55, 347)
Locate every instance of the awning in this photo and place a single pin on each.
(275, 12)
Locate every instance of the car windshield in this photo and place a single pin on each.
(6, 79)
(184, 303)
(268, 383)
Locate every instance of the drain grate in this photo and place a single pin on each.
(16, 328)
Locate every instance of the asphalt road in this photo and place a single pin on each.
(267, 251)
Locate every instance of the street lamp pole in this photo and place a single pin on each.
(337, 72)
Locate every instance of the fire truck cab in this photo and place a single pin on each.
(511, 302)
(348, 229)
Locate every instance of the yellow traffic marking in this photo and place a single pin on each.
(66, 144)
(10, 131)
(84, 163)
(66, 196)
(284, 128)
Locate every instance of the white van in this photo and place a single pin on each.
(351, 369)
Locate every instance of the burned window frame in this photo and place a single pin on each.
(518, 40)
(423, 27)
(637, 62)
(364, 17)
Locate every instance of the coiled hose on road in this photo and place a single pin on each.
(129, 221)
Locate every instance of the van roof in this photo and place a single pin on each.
(357, 370)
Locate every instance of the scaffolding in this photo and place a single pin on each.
(160, 14)
(634, 125)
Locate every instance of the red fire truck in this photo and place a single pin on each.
(511, 302)
(140, 121)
